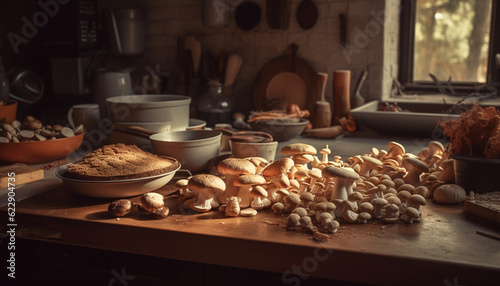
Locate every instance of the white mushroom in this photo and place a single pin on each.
(379, 204)
(410, 215)
(120, 207)
(245, 184)
(205, 185)
(258, 193)
(391, 214)
(416, 201)
(291, 201)
(231, 168)
(343, 179)
(449, 194)
(415, 168)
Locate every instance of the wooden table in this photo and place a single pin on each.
(443, 249)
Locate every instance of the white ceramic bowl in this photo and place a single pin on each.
(115, 188)
(117, 132)
(151, 108)
(266, 150)
(192, 148)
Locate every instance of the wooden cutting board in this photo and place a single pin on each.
(488, 212)
(23, 174)
(299, 74)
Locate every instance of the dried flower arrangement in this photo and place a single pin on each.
(476, 133)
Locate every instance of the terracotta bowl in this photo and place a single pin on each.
(39, 152)
(8, 111)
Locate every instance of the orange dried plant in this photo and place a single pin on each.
(475, 133)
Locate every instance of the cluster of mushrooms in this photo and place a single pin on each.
(317, 191)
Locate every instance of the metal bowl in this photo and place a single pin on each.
(281, 129)
(115, 188)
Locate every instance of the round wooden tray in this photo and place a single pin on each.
(286, 80)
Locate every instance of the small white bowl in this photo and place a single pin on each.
(192, 148)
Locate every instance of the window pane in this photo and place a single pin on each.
(451, 40)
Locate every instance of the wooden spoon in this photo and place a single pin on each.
(193, 45)
(233, 65)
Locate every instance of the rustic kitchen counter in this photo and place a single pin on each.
(443, 249)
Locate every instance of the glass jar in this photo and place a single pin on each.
(213, 106)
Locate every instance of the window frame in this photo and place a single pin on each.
(406, 60)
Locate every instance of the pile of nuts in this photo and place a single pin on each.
(31, 129)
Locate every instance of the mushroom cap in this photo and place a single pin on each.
(392, 208)
(315, 173)
(325, 150)
(300, 211)
(202, 182)
(356, 159)
(397, 146)
(249, 180)
(364, 216)
(418, 199)
(404, 195)
(301, 173)
(348, 205)
(278, 207)
(298, 148)
(120, 207)
(330, 206)
(236, 166)
(333, 171)
(423, 191)
(152, 201)
(449, 194)
(258, 161)
(258, 191)
(417, 164)
(181, 183)
(379, 202)
(294, 183)
(350, 216)
(365, 207)
(283, 192)
(278, 167)
(394, 200)
(293, 220)
(436, 145)
(411, 212)
(371, 160)
(406, 187)
(292, 199)
(303, 158)
(307, 196)
(355, 196)
(283, 181)
(325, 216)
(321, 206)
